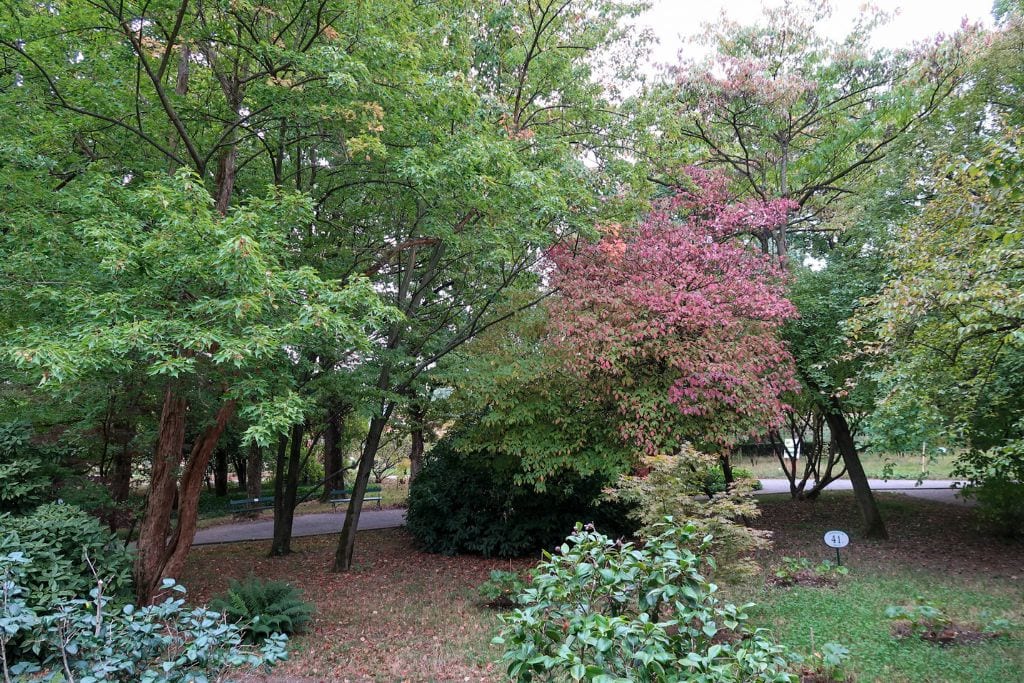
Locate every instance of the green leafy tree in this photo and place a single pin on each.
(152, 279)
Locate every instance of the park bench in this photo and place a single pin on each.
(343, 496)
(244, 505)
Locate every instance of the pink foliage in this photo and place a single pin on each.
(681, 303)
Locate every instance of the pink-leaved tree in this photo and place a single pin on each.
(675, 320)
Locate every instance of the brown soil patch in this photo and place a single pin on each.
(804, 577)
(951, 634)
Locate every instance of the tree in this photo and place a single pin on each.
(676, 322)
(153, 281)
(789, 113)
(482, 172)
(948, 325)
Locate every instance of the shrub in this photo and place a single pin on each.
(673, 486)
(713, 479)
(24, 480)
(261, 608)
(501, 589)
(471, 503)
(606, 610)
(996, 482)
(59, 542)
(87, 640)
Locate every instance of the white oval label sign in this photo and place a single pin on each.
(836, 539)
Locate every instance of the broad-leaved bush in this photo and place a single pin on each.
(604, 610)
(471, 502)
(92, 639)
(63, 545)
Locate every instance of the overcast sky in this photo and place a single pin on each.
(917, 19)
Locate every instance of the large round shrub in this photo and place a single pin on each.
(470, 502)
(60, 542)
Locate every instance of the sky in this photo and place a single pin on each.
(917, 19)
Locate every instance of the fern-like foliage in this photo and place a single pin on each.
(261, 608)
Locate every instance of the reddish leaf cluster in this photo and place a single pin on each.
(676, 320)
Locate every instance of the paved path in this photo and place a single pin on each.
(330, 522)
(942, 490)
(313, 524)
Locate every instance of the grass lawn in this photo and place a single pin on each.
(403, 615)
(935, 554)
(877, 466)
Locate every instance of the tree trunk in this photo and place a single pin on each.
(121, 478)
(417, 447)
(239, 463)
(347, 540)
(254, 471)
(286, 494)
(220, 473)
(334, 466)
(160, 552)
(874, 526)
(727, 474)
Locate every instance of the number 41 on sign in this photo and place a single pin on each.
(837, 539)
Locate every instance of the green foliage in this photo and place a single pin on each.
(63, 545)
(714, 479)
(676, 486)
(470, 502)
(946, 329)
(996, 481)
(922, 616)
(601, 610)
(94, 639)
(25, 477)
(501, 589)
(263, 608)
(790, 569)
(829, 663)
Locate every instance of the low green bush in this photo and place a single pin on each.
(713, 479)
(471, 503)
(66, 551)
(602, 610)
(996, 482)
(89, 639)
(501, 589)
(262, 608)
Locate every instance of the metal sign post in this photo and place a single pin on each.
(837, 539)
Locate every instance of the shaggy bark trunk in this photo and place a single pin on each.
(874, 526)
(334, 473)
(160, 552)
(285, 495)
(121, 478)
(254, 471)
(347, 541)
(220, 473)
